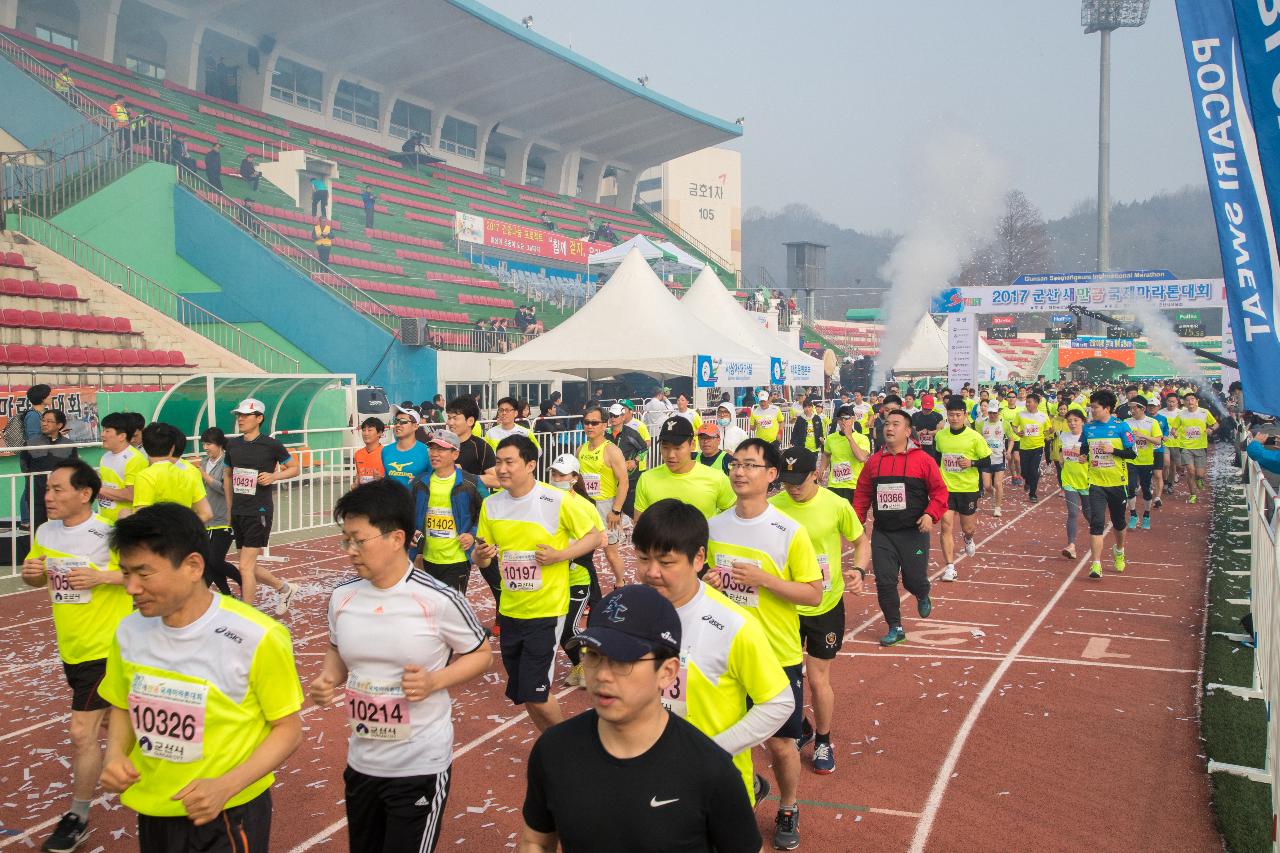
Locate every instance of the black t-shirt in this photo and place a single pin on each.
(264, 453)
(476, 456)
(931, 421)
(684, 794)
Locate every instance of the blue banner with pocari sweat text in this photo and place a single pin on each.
(1239, 177)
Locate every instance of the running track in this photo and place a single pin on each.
(1036, 709)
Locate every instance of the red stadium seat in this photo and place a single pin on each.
(32, 319)
(112, 358)
(11, 317)
(146, 357)
(17, 354)
(86, 322)
(57, 356)
(14, 259)
(4, 355)
(132, 389)
(31, 289)
(68, 291)
(37, 355)
(104, 324)
(76, 355)
(122, 325)
(49, 290)
(93, 356)
(177, 358)
(10, 287)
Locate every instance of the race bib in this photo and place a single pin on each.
(520, 571)
(673, 698)
(105, 503)
(926, 440)
(377, 709)
(825, 567)
(1100, 453)
(1070, 452)
(1030, 430)
(59, 570)
(1192, 433)
(766, 423)
(168, 717)
(739, 593)
(244, 481)
(591, 482)
(994, 443)
(842, 472)
(366, 478)
(951, 462)
(1141, 440)
(438, 523)
(891, 497)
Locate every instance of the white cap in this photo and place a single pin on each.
(762, 394)
(566, 463)
(616, 410)
(993, 406)
(412, 413)
(250, 407)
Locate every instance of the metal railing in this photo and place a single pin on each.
(238, 213)
(702, 248)
(48, 77)
(474, 340)
(155, 295)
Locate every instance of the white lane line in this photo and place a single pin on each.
(997, 583)
(324, 834)
(983, 601)
(930, 811)
(1125, 613)
(1114, 636)
(1021, 659)
(1121, 592)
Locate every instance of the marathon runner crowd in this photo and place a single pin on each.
(748, 531)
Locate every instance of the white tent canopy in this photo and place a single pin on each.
(632, 324)
(926, 353)
(711, 303)
(682, 257)
(619, 253)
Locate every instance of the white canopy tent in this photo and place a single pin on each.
(633, 324)
(926, 352)
(683, 258)
(711, 303)
(668, 258)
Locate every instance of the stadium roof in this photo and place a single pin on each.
(464, 57)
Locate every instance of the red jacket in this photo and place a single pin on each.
(899, 507)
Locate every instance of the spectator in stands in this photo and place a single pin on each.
(546, 220)
(120, 119)
(368, 199)
(52, 438)
(213, 166)
(535, 325)
(413, 148)
(37, 399)
(63, 83)
(319, 195)
(322, 236)
(249, 172)
(179, 154)
(593, 227)
(607, 234)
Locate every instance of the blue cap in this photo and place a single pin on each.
(629, 623)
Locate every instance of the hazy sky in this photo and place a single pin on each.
(839, 94)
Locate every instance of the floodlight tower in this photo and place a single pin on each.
(1103, 16)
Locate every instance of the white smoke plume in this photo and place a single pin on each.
(960, 193)
(1161, 336)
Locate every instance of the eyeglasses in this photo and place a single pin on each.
(745, 466)
(348, 545)
(586, 422)
(399, 422)
(592, 659)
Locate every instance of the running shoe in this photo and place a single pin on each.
(824, 759)
(1133, 521)
(924, 606)
(1117, 558)
(970, 547)
(574, 677)
(996, 512)
(1070, 551)
(283, 597)
(896, 635)
(1191, 499)
(948, 574)
(1033, 498)
(67, 835)
(1146, 521)
(1157, 503)
(786, 832)
(1095, 571)
(760, 788)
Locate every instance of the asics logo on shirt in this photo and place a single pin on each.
(655, 802)
(230, 635)
(710, 620)
(547, 498)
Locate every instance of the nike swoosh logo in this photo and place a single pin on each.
(655, 802)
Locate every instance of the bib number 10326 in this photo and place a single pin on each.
(168, 717)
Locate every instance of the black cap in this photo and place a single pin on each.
(629, 623)
(797, 464)
(675, 429)
(846, 412)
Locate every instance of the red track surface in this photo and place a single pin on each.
(1035, 710)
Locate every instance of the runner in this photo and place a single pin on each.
(909, 495)
(531, 532)
(1159, 462)
(629, 419)
(680, 476)
(584, 588)
(811, 427)
(682, 409)
(508, 410)
(169, 478)
(1032, 426)
(635, 452)
(710, 453)
(253, 467)
(462, 416)
(731, 435)
(118, 468)
(1106, 439)
(398, 640)
(1058, 423)
(368, 459)
(828, 519)
(731, 686)
(1074, 477)
(765, 421)
(405, 458)
(215, 665)
(926, 423)
(995, 432)
(1194, 426)
(765, 563)
(69, 554)
(605, 779)
(965, 457)
(1147, 437)
(1173, 456)
(603, 472)
(446, 510)
(217, 570)
(861, 410)
(844, 452)
(1012, 460)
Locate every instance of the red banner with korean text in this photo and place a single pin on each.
(79, 402)
(525, 239)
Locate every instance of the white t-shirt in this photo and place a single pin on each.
(378, 632)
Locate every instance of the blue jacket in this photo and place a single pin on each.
(1268, 458)
(464, 505)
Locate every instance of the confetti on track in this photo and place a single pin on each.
(1087, 731)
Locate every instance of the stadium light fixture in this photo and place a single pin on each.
(527, 20)
(1103, 16)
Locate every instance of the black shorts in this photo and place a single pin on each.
(1104, 501)
(241, 829)
(403, 813)
(529, 656)
(455, 575)
(83, 679)
(965, 503)
(794, 726)
(251, 531)
(822, 636)
(996, 467)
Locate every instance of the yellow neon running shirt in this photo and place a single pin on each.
(968, 444)
(1144, 429)
(119, 471)
(1032, 427)
(1075, 470)
(828, 518)
(578, 574)
(84, 620)
(780, 546)
(544, 516)
(844, 469)
(765, 423)
(168, 482)
(199, 698)
(702, 486)
(438, 527)
(496, 433)
(1194, 427)
(597, 477)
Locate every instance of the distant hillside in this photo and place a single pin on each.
(1171, 231)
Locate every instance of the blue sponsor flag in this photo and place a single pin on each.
(1238, 176)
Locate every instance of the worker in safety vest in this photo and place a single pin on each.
(322, 237)
(63, 82)
(119, 115)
